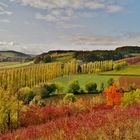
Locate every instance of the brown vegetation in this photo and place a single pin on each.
(127, 81)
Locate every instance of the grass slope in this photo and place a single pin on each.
(64, 57)
(12, 54)
(83, 79)
(131, 70)
(8, 65)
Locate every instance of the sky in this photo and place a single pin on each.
(36, 26)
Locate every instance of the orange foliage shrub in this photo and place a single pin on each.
(113, 95)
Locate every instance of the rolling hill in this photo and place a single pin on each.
(88, 56)
(14, 56)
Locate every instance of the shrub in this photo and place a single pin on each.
(82, 91)
(47, 59)
(91, 87)
(132, 87)
(46, 90)
(117, 67)
(110, 82)
(131, 97)
(74, 87)
(59, 87)
(113, 95)
(41, 91)
(69, 97)
(25, 94)
(104, 124)
(37, 101)
(50, 88)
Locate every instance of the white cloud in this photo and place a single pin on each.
(5, 21)
(64, 10)
(95, 5)
(26, 48)
(3, 9)
(71, 25)
(114, 9)
(74, 4)
(3, 4)
(10, 44)
(56, 15)
(5, 12)
(106, 40)
(52, 4)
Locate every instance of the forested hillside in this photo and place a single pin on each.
(88, 56)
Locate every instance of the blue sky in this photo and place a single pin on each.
(35, 26)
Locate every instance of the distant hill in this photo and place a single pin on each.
(88, 56)
(128, 49)
(14, 56)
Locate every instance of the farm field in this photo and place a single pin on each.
(131, 70)
(84, 78)
(126, 81)
(4, 65)
(63, 57)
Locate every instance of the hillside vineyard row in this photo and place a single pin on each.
(42, 73)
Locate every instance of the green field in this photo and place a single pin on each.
(63, 57)
(131, 70)
(14, 64)
(8, 54)
(83, 79)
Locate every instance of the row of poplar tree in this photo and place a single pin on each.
(41, 73)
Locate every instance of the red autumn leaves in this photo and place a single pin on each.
(113, 95)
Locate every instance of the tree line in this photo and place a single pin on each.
(41, 73)
(90, 56)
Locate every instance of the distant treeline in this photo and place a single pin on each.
(91, 56)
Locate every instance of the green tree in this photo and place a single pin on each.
(10, 109)
(59, 87)
(47, 89)
(69, 97)
(74, 87)
(91, 87)
(25, 94)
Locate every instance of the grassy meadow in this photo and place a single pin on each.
(84, 78)
(131, 70)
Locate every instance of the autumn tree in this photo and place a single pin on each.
(113, 95)
(10, 108)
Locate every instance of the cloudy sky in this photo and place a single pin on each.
(35, 26)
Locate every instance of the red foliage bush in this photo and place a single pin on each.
(36, 115)
(113, 95)
(83, 125)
